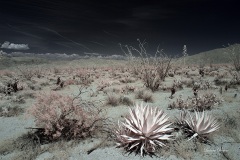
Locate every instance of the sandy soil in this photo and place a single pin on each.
(13, 129)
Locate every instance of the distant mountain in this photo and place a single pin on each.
(220, 55)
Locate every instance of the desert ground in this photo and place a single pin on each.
(111, 87)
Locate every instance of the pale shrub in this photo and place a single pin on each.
(59, 116)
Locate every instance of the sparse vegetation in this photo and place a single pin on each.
(153, 69)
(205, 101)
(113, 99)
(197, 126)
(64, 121)
(9, 111)
(145, 129)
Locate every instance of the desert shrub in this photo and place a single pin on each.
(205, 101)
(43, 84)
(26, 72)
(85, 77)
(7, 73)
(179, 103)
(177, 84)
(70, 82)
(63, 117)
(33, 86)
(56, 70)
(151, 79)
(103, 84)
(220, 81)
(29, 94)
(235, 78)
(9, 111)
(2, 88)
(11, 85)
(19, 99)
(153, 69)
(233, 52)
(203, 85)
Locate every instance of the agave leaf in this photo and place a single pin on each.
(202, 124)
(132, 129)
(134, 145)
(144, 129)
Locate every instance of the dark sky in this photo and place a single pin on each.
(99, 26)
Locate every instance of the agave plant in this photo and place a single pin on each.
(144, 130)
(201, 125)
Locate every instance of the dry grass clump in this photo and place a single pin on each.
(112, 99)
(28, 94)
(24, 144)
(188, 82)
(182, 149)
(26, 147)
(128, 89)
(44, 84)
(126, 101)
(114, 89)
(127, 79)
(33, 86)
(145, 95)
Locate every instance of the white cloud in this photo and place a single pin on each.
(8, 45)
(92, 54)
(116, 57)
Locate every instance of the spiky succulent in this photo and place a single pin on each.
(201, 125)
(145, 129)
